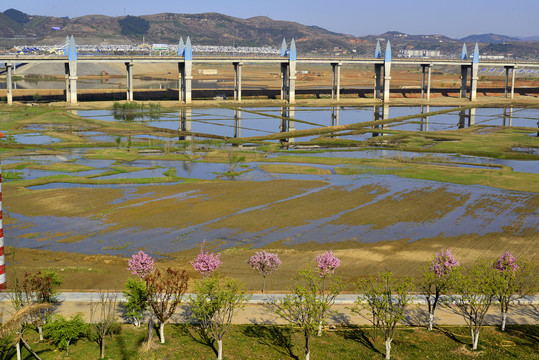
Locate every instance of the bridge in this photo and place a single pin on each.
(288, 61)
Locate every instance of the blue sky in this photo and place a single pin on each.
(454, 18)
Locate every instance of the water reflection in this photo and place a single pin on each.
(287, 122)
(250, 122)
(380, 113)
(185, 124)
(464, 115)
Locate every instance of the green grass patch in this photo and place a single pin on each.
(273, 342)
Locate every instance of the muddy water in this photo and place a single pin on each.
(380, 207)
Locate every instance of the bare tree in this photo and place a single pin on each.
(215, 304)
(165, 291)
(476, 289)
(385, 297)
(308, 305)
(102, 316)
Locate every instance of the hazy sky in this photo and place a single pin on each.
(454, 18)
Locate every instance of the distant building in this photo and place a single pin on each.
(418, 53)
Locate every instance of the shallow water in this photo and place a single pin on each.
(461, 220)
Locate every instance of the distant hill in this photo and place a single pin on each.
(490, 39)
(530, 38)
(204, 29)
(18, 28)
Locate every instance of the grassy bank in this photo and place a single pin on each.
(271, 342)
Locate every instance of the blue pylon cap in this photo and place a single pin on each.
(181, 47)
(293, 50)
(72, 49)
(464, 55)
(476, 54)
(284, 48)
(66, 46)
(388, 52)
(188, 49)
(378, 51)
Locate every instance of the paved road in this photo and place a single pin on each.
(524, 311)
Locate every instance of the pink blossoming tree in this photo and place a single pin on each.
(205, 262)
(327, 263)
(264, 263)
(141, 264)
(437, 279)
(514, 280)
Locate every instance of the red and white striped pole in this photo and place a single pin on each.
(2, 258)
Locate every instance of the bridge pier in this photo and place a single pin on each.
(237, 80)
(378, 81)
(474, 79)
(336, 81)
(425, 88)
(387, 80)
(510, 69)
(9, 83)
(464, 81)
(184, 81)
(284, 81)
(71, 90)
(129, 69)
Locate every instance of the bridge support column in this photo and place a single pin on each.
(336, 81)
(181, 81)
(464, 80)
(378, 81)
(292, 82)
(287, 122)
(237, 81)
(184, 81)
(425, 88)
(474, 79)
(129, 69)
(284, 83)
(510, 69)
(387, 80)
(9, 84)
(72, 79)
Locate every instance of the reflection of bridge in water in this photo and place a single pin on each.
(287, 120)
(288, 61)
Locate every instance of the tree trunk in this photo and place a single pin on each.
(319, 328)
(475, 341)
(67, 348)
(307, 347)
(388, 349)
(40, 331)
(29, 348)
(504, 319)
(18, 348)
(219, 349)
(102, 349)
(162, 332)
(264, 285)
(150, 330)
(431, 321)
